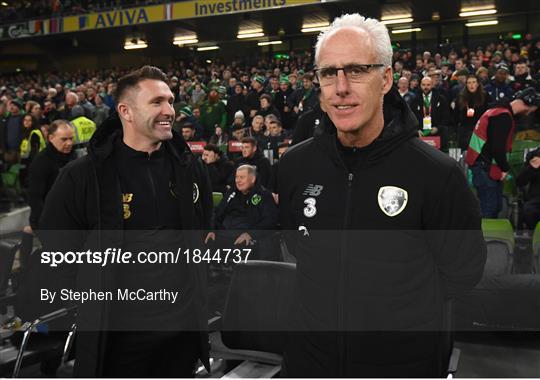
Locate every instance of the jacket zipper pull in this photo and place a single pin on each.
(351, 176)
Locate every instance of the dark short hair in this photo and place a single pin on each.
(187, 125)
(283, 144)
(53, 127)
(249, 140)
(275, 121)
(132, 79)
(213, 148)
(267, 97)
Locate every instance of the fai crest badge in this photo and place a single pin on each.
(392, 200)
(195, 192)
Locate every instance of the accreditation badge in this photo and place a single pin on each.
(427, 122)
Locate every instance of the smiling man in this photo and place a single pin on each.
(382, 247)
(139, 189)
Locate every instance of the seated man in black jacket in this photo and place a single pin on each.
(246, 214)
(219, 168)
(251, 155)
(530, 175)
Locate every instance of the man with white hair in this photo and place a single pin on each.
(382, 247)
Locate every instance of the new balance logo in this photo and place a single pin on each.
(313, 190)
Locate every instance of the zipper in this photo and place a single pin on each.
(342, 280)
(153, 189)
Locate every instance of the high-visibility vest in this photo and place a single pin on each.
(84, 129)
(25, 143)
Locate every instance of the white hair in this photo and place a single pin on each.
(377, 32)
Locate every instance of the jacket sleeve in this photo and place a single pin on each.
(37, 190)
(287, 221)
(207, 219)
(453, 226)
(498, 130)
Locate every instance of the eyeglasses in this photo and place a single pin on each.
(356, 72)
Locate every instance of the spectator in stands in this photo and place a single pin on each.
(369, 163)
(305, 98)
(251, 155)
(471, 103)
(498, 88)
(458, 84)
(84, 129)
(102, 110)
(253, 99)
(50, 112)
(12, 132)
(37, 112)
(46, 166)
(212, 114)
(197, 95)
(267, 108)
(246, 214)
(275, 137)
(432, 111)
(219, 168)
(530, 176)
(483, 75)
(490, 142)
(403, 88)
(280, 101)
(219, 137)
(235, 103)
(257, 131)
(188, 131)
(89, 108)
(71, 101)
(32, 143)
(238, 121)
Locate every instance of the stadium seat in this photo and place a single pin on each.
(508, 302)
(255, 318)
(217, 197)
(519, 151)
(499, 236)
(32, 343)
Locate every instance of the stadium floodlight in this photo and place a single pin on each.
(250, 33)
(206, 48)
(482, 23)
(266, 43)
(480, 12)
(4, 4)
(408, 30)
(135, 44)
(315, 27)
(397, 19)
(185, 39)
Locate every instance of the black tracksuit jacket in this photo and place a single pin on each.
(364, 276)
(86, 199)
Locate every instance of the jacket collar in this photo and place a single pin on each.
(400, 125)
(101, 144)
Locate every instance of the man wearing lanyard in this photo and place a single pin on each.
(431, 110)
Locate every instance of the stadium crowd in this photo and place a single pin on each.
(265, 101)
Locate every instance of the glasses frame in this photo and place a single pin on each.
(367, 66)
